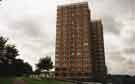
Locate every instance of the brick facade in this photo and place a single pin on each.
(79, 44)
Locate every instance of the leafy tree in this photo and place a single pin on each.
(44, 64)
(9, 65)
(3, 41)
(22, 68)
(11, 50)
(8, 53)
(27, 69)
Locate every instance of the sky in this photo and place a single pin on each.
(31, 26)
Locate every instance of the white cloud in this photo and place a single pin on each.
(60, 2)
(29, 25)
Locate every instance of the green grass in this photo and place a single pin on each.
(6, 80)
(32, 81)
(45, 81)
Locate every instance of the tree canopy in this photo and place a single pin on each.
(45, 63)
(9, 64)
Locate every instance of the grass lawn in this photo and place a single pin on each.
(6, 80)
(45, 81)
(32, 81)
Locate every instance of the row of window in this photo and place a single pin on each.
(75, 14)
(75, 39)
(72, 46)
(73, 20)
(72, 10)
(72, 74)
(86, 69)
(82, 59)
(78, 53)
(71, 25)
(79, 50)
(73, 31)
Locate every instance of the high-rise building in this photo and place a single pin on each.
(79, 44)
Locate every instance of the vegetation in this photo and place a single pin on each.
(6, 80)
(45, 81)
(32, 81)
(9, 65)
(44, 64)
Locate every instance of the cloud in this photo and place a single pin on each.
(130, 51)
(33, 40)
(111, 25)
(128, 32)
(118, 21)
(61, 2)
(120, 48)
(31, 26)
(28, 27)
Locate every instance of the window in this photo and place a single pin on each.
(72, 22)
(73, 14)
(72, 53)
(78, 53)
(85, 44)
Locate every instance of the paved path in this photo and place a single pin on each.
(19, 81)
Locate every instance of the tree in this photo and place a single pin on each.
(11, 50)
(3, 41)
(8, 52)
(22, 68)
(44, 64)
(9, 65)
(27, 69)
